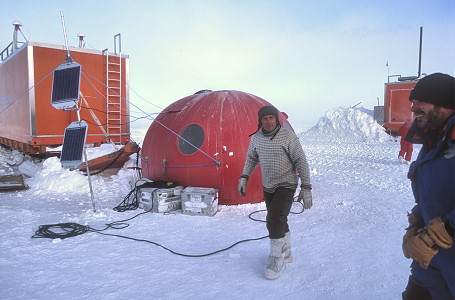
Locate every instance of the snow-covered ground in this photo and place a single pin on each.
(348, 246)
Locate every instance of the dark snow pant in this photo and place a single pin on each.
(435, 280)
(278, 207)
(415, 292)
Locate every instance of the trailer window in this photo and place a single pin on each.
(191, 139)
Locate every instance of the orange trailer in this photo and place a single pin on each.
(397, 105)
(30, 123)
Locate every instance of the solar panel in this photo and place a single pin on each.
(65, 85)
(73, 144)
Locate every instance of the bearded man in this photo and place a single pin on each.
(430, 236)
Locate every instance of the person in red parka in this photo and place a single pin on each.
(405, 153)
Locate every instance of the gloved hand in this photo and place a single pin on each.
(242, 186)
(436, 230)
(420, 248)
(415, 224)
(305, 196)
(423, 246)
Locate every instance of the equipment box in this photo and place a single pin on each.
(199, 201)
(160, 200)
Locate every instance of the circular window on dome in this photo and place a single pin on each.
(191, 139)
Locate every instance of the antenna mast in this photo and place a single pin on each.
(81, 36)
(420, 51)
(68, 57)
(17, 27)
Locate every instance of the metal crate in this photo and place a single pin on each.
(160, 200)
(199, 201)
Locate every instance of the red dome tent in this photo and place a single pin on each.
(201, 140)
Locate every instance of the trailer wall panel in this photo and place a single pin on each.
(25, 93)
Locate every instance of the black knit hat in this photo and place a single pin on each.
(437, 89)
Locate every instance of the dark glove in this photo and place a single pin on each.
(242, 186)
(426, 243)
(305, 196)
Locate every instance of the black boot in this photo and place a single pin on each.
(415, 292)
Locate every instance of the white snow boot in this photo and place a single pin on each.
(287, 248)
(276, 261)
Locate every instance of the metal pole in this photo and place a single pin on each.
(68, 57)
(119, 43)
(17, 27)
(15, 39)
(89, 180)
(87, 167)
(420, 51)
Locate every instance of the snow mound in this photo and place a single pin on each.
(50, 176)
(346, 125)
(53, 178)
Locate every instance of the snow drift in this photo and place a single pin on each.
(346, 125)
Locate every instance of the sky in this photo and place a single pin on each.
(304, 57)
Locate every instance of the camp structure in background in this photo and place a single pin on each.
(29, 122)
(202, 140)
(397, 107)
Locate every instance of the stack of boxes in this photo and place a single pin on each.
(191, 200)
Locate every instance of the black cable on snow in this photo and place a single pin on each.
(66, 230)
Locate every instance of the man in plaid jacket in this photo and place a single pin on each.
(282, 161)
